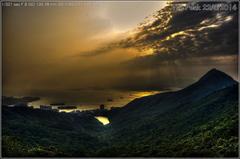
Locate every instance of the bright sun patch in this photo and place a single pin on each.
(102, 119)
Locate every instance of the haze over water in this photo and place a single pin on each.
(91, 99)
(107, 53)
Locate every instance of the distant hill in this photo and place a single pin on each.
(211, 82)
(200, 120)
(202, 128)
(172, 123)
(15, 100)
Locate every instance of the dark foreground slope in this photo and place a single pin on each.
(138, 109)
(206, 127)
(32, 132)
(200, 120)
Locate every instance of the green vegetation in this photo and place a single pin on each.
(30, 132)
(205, 127)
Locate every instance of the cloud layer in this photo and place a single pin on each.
(178, 47)
(83, 49)
(172, 35)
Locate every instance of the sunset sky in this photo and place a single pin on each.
(112, 45)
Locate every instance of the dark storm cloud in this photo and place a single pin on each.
(182, 46)
(190, 34)
(185, 45)
(175, 35)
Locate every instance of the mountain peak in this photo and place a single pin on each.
(216, 75)
(214, 70)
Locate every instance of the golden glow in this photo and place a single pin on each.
(102, 119)
(220, 21)
(146, 93)
(67, 110)
(228, 18)
(205, 21)
(209, 26)
(149, 51)
(177, 34)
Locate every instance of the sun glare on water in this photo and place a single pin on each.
(102, 119)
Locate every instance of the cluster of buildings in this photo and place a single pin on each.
(55, 108)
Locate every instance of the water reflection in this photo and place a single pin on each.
(90, 100)
(102, 119)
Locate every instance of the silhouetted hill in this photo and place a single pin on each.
(212, 81)
(215, 76)
(204, 127)
(35, 132)
(14, 100)
(200, 120)
(172, 122)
